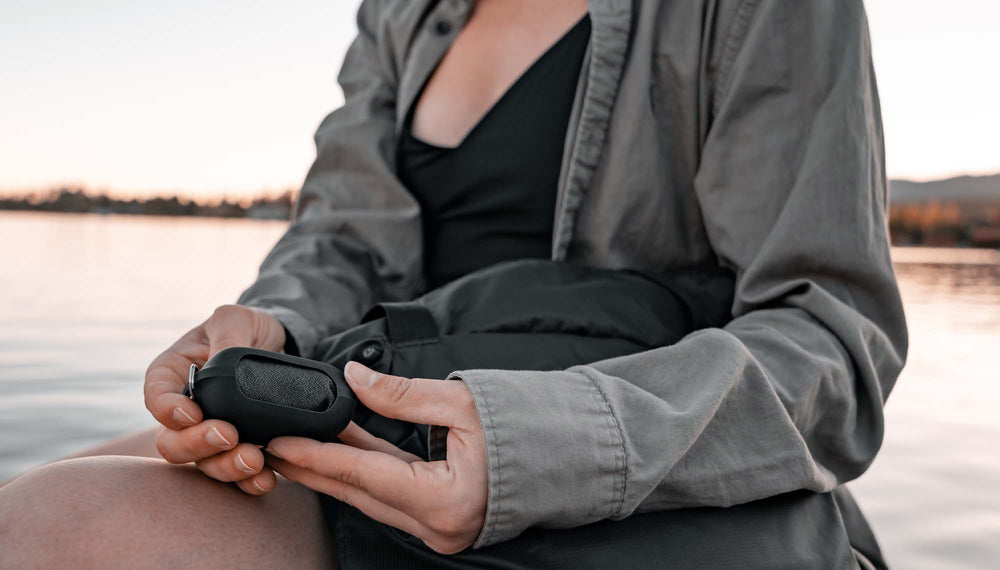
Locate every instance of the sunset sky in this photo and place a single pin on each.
(206, 98)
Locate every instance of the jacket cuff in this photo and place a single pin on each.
(303, 335)
(554, 450)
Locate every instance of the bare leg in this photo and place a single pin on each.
(114, 511)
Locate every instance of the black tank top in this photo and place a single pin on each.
(492, 198)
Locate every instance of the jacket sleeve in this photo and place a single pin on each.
(789, 394)
(355, 239)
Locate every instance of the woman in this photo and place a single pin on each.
(737, 133)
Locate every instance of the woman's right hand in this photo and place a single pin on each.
(213, 445)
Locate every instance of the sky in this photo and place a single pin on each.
(205, 99)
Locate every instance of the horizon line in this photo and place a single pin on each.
(270, 192)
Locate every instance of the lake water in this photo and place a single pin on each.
(87, 301)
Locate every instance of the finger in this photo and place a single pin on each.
(433, 402)
(260, 484)
(356, 436)
(241, 462)
(386, 478)
(351, 495)
(164, 382)
(229, 326)
(175, 411)
(198, 442)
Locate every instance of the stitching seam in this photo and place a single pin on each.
(494, 450)
(734, 40)
(623, 458)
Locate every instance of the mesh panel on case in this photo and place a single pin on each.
(285, 384)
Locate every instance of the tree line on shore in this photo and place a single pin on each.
(934, 222)
(78, 200)
(942, 223)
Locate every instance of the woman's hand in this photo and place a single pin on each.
(213, 444)
(442, 503)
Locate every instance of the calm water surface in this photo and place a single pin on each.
(88, 301)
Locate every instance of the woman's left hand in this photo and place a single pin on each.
(442, 503)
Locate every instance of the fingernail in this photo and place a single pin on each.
(215, 438)
(360, 374)
(241, 464)
(273, 452)
(257, 485)
(354, 371)
(182, 417)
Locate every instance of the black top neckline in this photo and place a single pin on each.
(492, 198)
(533, 68)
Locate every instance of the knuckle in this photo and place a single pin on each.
(154, 399)
(222, 469)
(175, 460)
(307, 455)
(303, 460)
(353, 475)
(344, 498)
(155, 383)
(161, 448)
(207, 468)
(193, 444)
(164, 449)
(212, 470)
(157, 362)
(224, 312)
(229, 339)
(396, 388)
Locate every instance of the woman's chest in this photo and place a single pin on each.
(626, 195)
(499, 43)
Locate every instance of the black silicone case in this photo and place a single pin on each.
(258, 422)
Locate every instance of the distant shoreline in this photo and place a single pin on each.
(79, 201)
(919, 215)
(141, 216)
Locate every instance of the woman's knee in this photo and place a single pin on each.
(77, 510)
(131, 511)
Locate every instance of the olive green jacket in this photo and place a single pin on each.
(745, 133)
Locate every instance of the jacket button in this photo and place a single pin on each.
(370, 352)
(442, 28)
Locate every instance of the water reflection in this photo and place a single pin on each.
(931, 493)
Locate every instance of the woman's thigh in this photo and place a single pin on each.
(113, 511)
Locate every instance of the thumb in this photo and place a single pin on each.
(418, 400)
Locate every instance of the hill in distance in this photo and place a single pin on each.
(957, 189)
